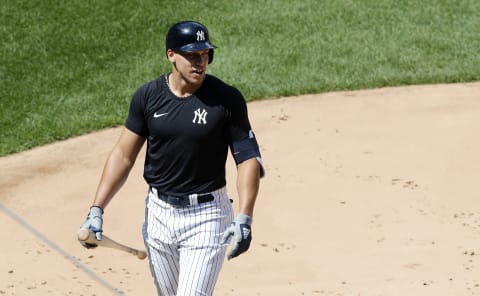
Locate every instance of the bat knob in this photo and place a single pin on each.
(84, 237)
(83, 234)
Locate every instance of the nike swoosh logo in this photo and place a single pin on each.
(156, 115)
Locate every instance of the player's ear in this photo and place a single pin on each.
(171, 55)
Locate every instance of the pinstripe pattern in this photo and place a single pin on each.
(183, 244)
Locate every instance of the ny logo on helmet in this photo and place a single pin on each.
(200, 35)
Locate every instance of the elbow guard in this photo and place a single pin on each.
(246, 149)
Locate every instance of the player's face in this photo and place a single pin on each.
(192, 66)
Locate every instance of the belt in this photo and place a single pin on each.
(185, 201)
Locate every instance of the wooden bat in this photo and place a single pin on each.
(89, 237)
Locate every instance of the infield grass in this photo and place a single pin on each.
(70, 67)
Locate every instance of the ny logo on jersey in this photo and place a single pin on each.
(200, 116)
(200, 35)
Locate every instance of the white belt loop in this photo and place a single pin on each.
(193, 199)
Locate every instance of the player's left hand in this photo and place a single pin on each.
(241, 231)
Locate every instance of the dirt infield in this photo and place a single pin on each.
(370, 192)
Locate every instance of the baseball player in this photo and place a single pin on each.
(189, 119)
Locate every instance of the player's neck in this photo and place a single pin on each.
(180, 87)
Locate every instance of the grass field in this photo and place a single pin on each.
(70, 67)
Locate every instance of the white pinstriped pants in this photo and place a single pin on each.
(183, 244)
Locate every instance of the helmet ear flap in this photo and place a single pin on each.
(210, 56)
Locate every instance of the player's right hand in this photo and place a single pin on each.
(93, 223)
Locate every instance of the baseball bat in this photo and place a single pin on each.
(89, 237)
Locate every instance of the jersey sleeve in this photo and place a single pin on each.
(239, 125)
(136, 115)
(243, 144)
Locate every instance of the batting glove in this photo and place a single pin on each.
(93, 223)
(241, 231)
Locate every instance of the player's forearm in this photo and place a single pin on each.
(248, 182)
(114, 175)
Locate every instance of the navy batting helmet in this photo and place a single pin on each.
(188, 36)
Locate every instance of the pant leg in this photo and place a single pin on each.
(159, 238)
(200, 270)
(201, 252)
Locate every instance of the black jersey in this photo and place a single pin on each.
(188, 138)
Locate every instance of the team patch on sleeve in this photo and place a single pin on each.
(246, 149)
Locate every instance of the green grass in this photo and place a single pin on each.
(70, 67)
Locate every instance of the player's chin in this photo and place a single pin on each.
(197, 76)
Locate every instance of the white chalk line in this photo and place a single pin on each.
(59, 250)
